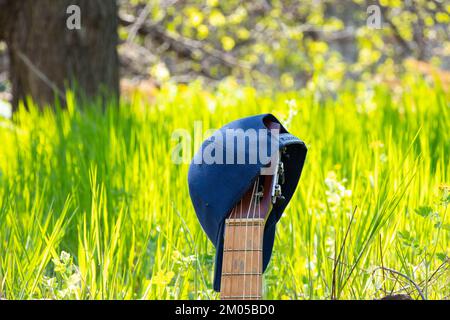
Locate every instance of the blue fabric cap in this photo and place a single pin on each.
(215, 188)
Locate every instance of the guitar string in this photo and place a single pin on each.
(245, 243)
(245, 237)
(224, 267)
(252, 236)
(260, 252)
(232, 245)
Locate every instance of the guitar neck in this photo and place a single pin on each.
(242, 259)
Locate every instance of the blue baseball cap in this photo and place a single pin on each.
(215, 187)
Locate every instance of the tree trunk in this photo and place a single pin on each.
(46, 57)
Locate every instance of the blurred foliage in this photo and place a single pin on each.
(283, 43)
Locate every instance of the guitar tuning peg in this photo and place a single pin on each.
(279, 201)
(281, 172)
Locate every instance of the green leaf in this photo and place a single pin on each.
(441, 256)
(424, 211)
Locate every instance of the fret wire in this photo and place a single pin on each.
(234, 297)
(243, 250)
(244, 222)
(242, 274)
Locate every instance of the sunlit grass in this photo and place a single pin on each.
(91, 206)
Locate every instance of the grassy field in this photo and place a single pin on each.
(91, 206)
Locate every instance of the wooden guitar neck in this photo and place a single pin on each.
(242, 259)
(243, 238)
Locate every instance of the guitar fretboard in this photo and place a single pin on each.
(242, 259)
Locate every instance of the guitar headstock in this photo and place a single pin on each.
(266, 190)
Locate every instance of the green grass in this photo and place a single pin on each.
(91, 206)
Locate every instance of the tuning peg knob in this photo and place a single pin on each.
(279, 201)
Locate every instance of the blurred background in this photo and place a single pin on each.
(284, 44)
(270, 45)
